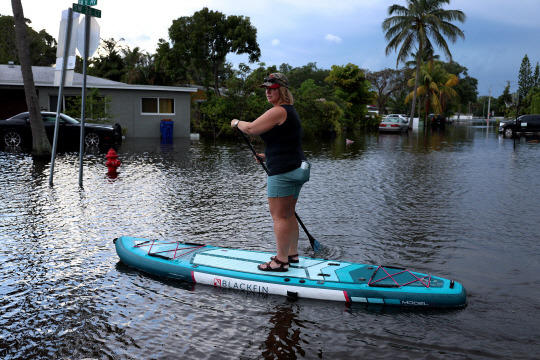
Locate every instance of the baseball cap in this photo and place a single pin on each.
(275, 80)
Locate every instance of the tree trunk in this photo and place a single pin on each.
(411, 119)
(40, 144)
(215, 68)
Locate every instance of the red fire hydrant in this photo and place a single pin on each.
(112, 161)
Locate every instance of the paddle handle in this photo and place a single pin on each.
(259, 159)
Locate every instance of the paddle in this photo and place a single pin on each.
(314, 243)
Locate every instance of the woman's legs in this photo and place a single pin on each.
(282, 210)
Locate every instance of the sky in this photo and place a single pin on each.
(498, 33)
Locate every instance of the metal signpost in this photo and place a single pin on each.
(61, 88)
(83, 7)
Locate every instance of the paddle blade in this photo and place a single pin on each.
(317, 247)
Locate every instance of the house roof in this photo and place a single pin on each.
(44, 77)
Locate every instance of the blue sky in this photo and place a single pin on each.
(498, 33)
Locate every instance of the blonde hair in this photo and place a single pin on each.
(285, 96)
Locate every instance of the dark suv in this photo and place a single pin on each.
(525, 124)
(436, 121)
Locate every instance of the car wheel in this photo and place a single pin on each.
(13, 138)
(91, 139)
(508, 132)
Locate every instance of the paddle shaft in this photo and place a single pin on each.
(314, 243)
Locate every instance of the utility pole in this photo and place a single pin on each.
(489, 105)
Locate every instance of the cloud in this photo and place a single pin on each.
(333, 38)
(275, 42)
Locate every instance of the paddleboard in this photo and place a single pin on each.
(310, 278)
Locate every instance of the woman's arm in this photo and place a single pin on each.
(274, 116)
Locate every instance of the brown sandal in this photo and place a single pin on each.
(267, 267)
(291, 260)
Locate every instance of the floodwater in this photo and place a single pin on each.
(462, 204)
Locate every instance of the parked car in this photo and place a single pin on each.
(394, 123)
(436, 121)
(16, 132)
(403, 116)
(525, 124)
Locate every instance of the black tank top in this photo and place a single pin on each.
(284, 144)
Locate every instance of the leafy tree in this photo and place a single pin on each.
(396, 102)
(466, 88)
(319, 114)
(414, 25)
(352, 88)
(385, 82)
(244, 92)
(535, 103)
(40, 143)
(525, 77)
(243, 99)
(139, 66)
(480, 108)
(298, 75)
(42, 46)
(109, 64)
(505, 101)
(97, 107)
(536, 76)
(320, 111)
(8, 44)
(166, 69)
(204, 40)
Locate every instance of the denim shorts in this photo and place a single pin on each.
(287, 184)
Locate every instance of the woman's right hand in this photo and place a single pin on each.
(260, 157)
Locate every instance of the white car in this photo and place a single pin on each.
(402, 116)
(394, 123)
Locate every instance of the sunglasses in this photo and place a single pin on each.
(271, 80)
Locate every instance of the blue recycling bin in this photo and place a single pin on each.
(166, 129)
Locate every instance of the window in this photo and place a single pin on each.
(50, 119)
(157, 106)
(68, 101)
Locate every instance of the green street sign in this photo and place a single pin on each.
(88, 2)
(87, 10)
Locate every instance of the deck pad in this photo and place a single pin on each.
(247, 261)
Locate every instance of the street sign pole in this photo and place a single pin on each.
(87, 20)
(60, 91)
(84, 7)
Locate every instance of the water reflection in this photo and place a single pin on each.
(284, 337)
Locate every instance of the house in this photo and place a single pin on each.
(137, 108)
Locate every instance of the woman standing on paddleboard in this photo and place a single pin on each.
(288, 170)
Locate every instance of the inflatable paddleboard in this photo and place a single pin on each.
(310, 278)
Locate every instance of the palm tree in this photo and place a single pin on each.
(447, 93)
(40, 143)
(435, 86)
(426, 56)
(420, 23)
(137, 65)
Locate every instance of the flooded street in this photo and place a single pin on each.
(462, 204)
